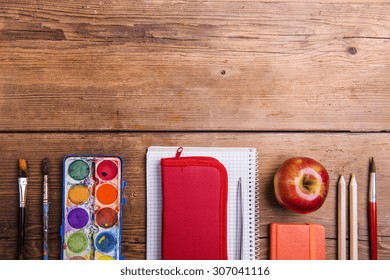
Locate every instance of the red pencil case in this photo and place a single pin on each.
(194, 214)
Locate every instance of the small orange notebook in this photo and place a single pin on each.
(297, 241)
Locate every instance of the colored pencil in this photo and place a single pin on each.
(22, 183)
(342, 223)
(372, 211)
(353, 216)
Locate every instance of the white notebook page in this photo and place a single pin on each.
(239, 163)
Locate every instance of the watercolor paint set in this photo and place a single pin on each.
(92, 207)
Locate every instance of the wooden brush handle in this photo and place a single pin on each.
(22, 219)
(373, 231)
(45, 232)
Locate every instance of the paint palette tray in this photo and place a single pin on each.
(92, 207)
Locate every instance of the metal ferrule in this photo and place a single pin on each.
(45, 189)
(22, 191)
(372, 190)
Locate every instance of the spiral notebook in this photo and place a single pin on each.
(241, 165)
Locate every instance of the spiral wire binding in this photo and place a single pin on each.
(253, 221)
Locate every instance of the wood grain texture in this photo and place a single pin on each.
(194, 65)
(340, 153)
(116, 76)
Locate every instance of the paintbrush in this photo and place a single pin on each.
(45, 210)
(22, 182)
(372, 212)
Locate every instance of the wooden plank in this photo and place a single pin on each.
(340, 153)
(194, 65)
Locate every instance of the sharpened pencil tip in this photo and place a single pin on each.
(22, 168)
(45, 166)
(372, 165)
(341, 181)
(353, 180)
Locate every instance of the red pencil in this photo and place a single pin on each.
(372, 211)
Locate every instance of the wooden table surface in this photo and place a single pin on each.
(290, 78)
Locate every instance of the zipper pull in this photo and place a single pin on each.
(179, 151)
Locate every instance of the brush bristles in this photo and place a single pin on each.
(45, 166)
(22, 168)
(372, 165)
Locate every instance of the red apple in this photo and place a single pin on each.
(301, 184)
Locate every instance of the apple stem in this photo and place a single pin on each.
(307, 183)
